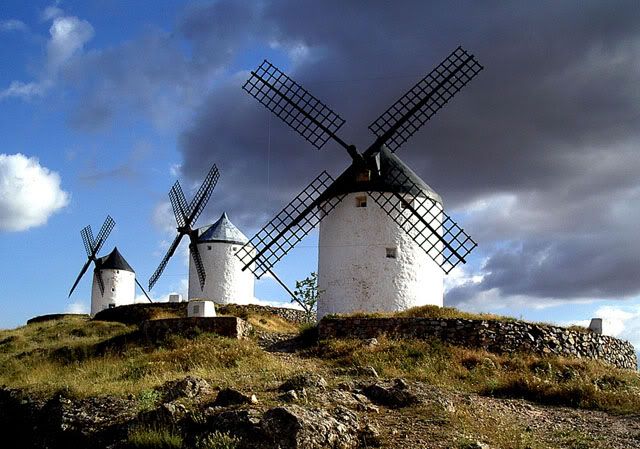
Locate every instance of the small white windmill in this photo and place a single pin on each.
(114, 281)
(215, 273)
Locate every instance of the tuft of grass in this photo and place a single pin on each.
(153, 438)
(218, 440)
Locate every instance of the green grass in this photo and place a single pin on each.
(153, 438)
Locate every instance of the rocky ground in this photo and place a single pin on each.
(309, 411)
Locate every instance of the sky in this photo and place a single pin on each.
(105, 103)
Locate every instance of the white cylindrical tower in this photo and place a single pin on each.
(366, 262)
(225, 281)
(119, 282)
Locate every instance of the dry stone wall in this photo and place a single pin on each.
(492, 335)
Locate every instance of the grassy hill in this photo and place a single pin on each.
(88, 359)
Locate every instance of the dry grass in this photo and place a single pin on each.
(434, 312)
(571, 382)
(99, 358)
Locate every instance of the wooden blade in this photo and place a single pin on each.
(288, 227)
(82, 272)
(165, 260)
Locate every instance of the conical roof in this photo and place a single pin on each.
(113, 261)
(222, 231)
(396, 176)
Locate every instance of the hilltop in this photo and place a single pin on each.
(94, 383)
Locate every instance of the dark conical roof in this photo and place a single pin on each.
(222, 231)
(407, 181)
(113, 261)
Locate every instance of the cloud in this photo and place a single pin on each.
(618, 321)
(13, 25)
(537, 156)
(29, 193)
(67, 38)
(77, 307)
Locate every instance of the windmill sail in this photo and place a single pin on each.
(186, 216)
(92, 247)
(288, 227)
(407, 115)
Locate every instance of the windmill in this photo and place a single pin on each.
(113, 278)
(186, 216)
(416, 240)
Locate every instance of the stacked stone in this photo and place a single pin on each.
(493, 335)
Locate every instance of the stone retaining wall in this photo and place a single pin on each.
(226, 326)
(492, 335)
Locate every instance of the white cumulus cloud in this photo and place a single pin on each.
(29, 193)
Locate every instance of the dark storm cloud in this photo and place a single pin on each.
(540, 151)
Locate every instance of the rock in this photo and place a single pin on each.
(289, 396)
(294, 427)
(371, 342)
(370, 436)
(401, 384)
(229, 396)
(305, 380)
(370, 371)
(478, 445)
(187, 387)
(390, 396)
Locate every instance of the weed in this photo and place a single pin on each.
(153, 438)
(217, 440)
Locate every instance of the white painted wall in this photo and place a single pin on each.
(226, 282)
(201, 308)
(119, 289)
(354, 273)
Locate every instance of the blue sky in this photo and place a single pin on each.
(109, 102)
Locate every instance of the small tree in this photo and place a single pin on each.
(306, 295)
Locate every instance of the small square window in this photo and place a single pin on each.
(361, 201)
(392, 253)
(196, 310)
(113, 289)
(209, 247)
(112, 306)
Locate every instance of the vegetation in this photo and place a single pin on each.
(306, 295)
(154, 438)
(99, 358)
(554, 380)
(434, 312)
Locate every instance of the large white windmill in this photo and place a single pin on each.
(215, 274)
(114, 281)
(385, 240)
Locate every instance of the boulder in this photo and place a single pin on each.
(187, 387)
(395, 396)
(294, 427)
(229, 396)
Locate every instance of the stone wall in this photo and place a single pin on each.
(492, 335)
(226, 326)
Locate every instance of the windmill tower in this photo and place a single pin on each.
(385, 240)
(226, 281)
(114, 281)
(214, 272)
